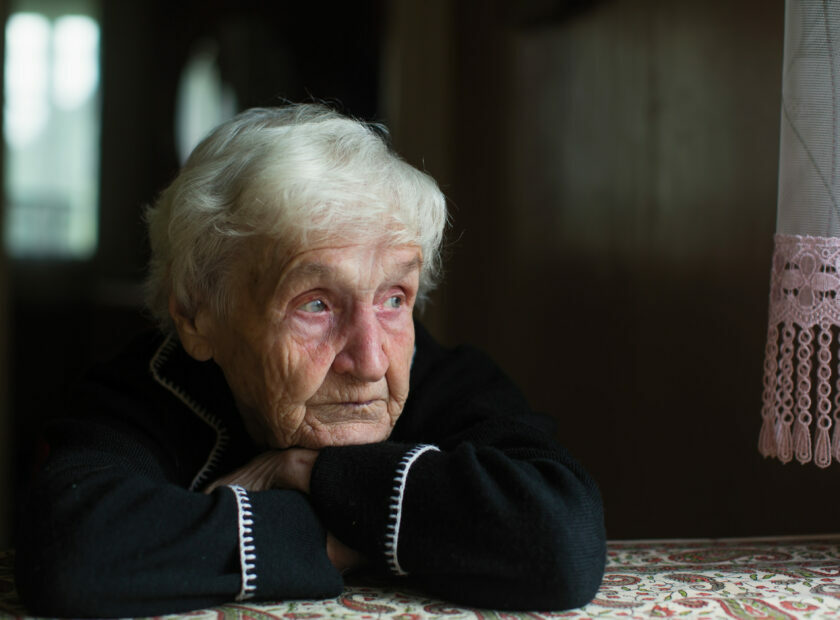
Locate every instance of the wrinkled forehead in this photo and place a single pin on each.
(391, 263)
(270, 265)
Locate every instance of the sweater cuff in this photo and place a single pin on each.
(282, 547)
(359, 491)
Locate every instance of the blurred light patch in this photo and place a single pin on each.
(27, 78)
(204, 99)
(51, 124)
(75, 61)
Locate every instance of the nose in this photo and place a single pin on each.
(363, 354)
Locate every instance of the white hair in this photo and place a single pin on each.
(293, 174)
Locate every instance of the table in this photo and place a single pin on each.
(776, 578)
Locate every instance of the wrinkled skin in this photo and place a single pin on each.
(317, 349)
(317, 352)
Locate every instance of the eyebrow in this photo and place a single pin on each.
(406, 267)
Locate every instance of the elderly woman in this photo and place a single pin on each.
(291, 420)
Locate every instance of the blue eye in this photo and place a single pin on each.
(314, 306)
(394, 302)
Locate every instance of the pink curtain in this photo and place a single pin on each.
(801, 399)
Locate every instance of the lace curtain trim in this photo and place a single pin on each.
(802, 352)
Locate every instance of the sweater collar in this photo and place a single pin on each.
(202, 388)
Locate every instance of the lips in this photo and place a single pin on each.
(346, 400)
(335, 412)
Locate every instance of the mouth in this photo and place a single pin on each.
(333, 412)
(336, 402)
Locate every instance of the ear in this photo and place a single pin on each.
(194, 332)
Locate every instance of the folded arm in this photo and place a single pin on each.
(107, 534)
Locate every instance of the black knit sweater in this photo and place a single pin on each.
(470, 499)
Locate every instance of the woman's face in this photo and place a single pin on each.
(317, 348)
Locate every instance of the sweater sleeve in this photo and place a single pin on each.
(108, 534)
(471, 500)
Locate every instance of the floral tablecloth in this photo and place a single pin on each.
(743, 578)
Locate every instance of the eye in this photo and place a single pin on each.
(314, 306)
(395, 301)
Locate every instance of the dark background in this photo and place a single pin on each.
(611, 168)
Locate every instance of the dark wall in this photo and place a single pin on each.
(267, 51)
(615, 191)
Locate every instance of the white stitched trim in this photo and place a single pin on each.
(247, 550)
(392, 539)
(160, 356)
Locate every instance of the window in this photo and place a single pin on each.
(51, 126)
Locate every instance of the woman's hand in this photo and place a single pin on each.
(277, 469)
(289, 469)
(343, 557)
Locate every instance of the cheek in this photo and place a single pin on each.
(310, 331)
(401, 354)
(310, 342)
(245, 372)
(309, 361)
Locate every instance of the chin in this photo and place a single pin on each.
(347, 434)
